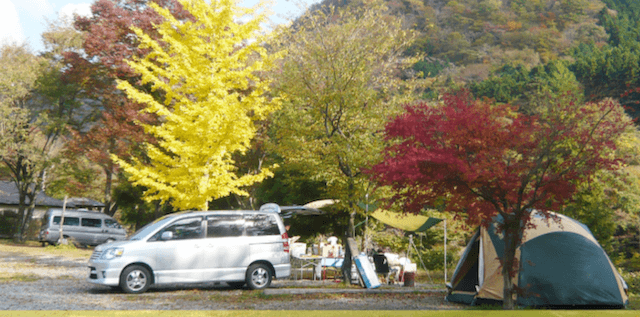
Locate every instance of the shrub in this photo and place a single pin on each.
(633, 281)
(8, 224)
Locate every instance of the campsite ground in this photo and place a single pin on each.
(36, 278)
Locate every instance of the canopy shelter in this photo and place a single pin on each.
(288, 211)
(406, 222)
(412, 223)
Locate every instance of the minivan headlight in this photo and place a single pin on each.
(112, 253)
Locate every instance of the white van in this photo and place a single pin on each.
(236, 247)
(83, 226)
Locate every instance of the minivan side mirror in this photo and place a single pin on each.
(167, 235)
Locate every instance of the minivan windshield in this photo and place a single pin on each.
(150, 228)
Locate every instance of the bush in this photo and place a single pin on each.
(8, 224)
(434, 259)
(69, 246)
(633, 281)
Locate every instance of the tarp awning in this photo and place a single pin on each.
(413, 223)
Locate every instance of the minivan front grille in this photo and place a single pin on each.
(92, 273)
(96, 255)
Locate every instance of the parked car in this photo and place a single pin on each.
(236, 247)
(83, 226)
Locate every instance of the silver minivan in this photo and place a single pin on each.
(236, 247)
(83, 226)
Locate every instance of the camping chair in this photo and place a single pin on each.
(382, 266)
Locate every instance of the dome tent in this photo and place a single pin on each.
(561, 265)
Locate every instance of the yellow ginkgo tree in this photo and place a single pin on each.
(206, 70)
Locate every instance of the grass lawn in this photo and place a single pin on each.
(34, 248)
(634, 302)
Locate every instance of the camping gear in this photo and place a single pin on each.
(409, 279)
(416, 224)
(561, 265)
(367, 272)
(382, 266)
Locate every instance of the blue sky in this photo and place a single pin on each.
(23, 21)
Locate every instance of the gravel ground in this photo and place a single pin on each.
(55, 283)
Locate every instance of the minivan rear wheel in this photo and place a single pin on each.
(258, 276)
(135, 279)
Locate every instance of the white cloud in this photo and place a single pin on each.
(67, 12)
(10, 29)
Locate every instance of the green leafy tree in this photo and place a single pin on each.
(340, 81)
(527, 87)
(40, 103)
(21, 139)
(208, 71)
(609, 196)
(62, 102)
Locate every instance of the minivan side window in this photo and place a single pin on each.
(190, 228)
(261, 225)
(110, 223)
(68, 221)
(91, 222)
(219, 226)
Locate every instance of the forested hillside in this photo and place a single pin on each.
(517, 43)
(337, 76)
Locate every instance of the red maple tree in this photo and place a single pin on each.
(109, 43)
(489, 159)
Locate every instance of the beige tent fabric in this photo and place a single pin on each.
(565, 224)
(493, 285)
(624, 295)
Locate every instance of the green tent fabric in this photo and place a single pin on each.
(561, 265)
(412, 223)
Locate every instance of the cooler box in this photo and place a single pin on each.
(297, 249)
(367, 272)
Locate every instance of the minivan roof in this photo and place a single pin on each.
(77, 212)
(268, 208)
(213, 212)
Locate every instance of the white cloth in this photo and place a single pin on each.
(394, 264)
(404, 262)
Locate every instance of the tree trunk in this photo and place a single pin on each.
(27, 211)
(507, 293)
(22, 211)
(351, 231)
(509, 265)
(108, 205)
(157, 213)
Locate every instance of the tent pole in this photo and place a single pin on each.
(412, 244)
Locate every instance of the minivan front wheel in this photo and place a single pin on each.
(258, 276)
(135, 279)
